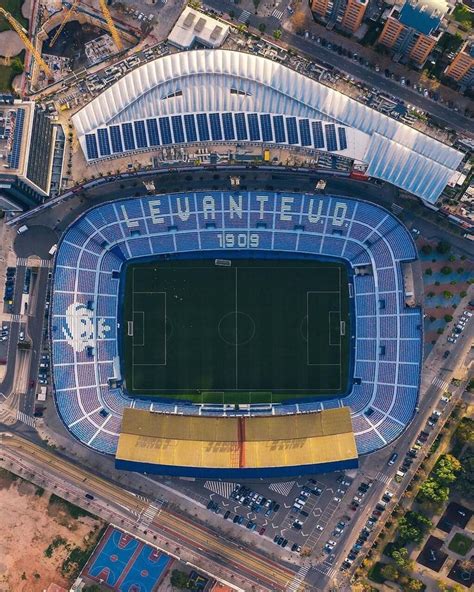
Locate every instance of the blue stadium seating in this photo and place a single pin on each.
(388, 352)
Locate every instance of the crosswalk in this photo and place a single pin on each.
(442, 384)
(244, 17)
(383, 478)
(283, 488)
(149, 514)
(26, 418)
(222, 488)
(300, 576)
(15, 318)
(277, 14)
(326, 569)
(25, 262)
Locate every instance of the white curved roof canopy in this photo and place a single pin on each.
(393, 151)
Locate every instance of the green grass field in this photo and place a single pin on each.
(460, 544)
(256, 331)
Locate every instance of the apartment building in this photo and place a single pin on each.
(346, 14)
(461, 69)
(412, 31)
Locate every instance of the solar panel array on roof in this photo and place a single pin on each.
(178, 130)
(14, 156)
(128, 139)
(104, 144)
(152, 128)
(330, 132)
(165, 130)
(228, 124)
(254, 130)
(266, 123)
(318, 137)
(280, 136)
(140, 134)
(292, 130)
(91, 147)
(204, 135)
(216, 130)
(240, 126)
(341, 132)
(216, 127)
(190, 127)
(305, 134)
(116, 138)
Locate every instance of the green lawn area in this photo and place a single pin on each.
(460, 544)
(256, 331)
(463, 16)
(8, 73)
(6, 77)
(14, 8)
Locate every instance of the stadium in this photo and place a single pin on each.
(240, 334)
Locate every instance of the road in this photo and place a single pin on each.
(207, 544)
(320, 54)
(258, 569)
(435, 382)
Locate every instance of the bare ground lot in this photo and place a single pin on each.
(41, 542)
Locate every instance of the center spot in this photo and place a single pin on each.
(236, 328)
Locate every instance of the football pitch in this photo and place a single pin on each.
(236, 331)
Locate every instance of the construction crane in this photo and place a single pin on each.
(110, 24)
(23, 34)
(66, 19)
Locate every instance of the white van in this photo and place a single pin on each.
(22, 229)
(53, 249)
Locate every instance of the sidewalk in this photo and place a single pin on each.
(383, 61)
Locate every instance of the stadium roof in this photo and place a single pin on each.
(221, 80)
(222, 444)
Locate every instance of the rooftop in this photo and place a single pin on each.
(236, 442)
(424, 15)
(193, 26)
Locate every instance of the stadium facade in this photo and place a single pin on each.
(221, 96)
(387, 339)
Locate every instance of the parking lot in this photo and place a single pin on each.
(296, 515)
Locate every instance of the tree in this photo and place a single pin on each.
(430, 294)
(448, 318)
(460, 270)
(428, 271)
(432, 491)
(447, 294)
(277, 34)
(446, 270)
(443, 247)
(16, 65)
(389, 572)
(262, 27)
(465, 431)
(446, 468)
(415, 585)
(463, 294)
(427, 249)
(401, 558)
(179, 579)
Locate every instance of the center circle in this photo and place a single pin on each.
(236, 328)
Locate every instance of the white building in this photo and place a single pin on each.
(193, 26)
(217, 96)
